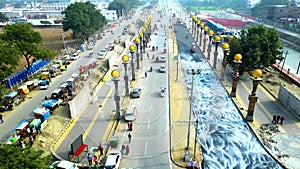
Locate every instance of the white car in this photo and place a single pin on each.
(63, 165)
(130, 113)
(113, 160)
(75, 56)
(163, 59)
(162, 69)
(101, 55)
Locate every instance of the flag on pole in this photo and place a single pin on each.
(175, 57)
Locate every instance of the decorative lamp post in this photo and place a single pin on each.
(193, 73)
(225, 48)
(237, 61)
(256, 78)
(125, 59)
(195, 27)
(137, 42)
(200, 40)
(132, 49)
(141, 44)
(144, 39)
(217, 41)
(193, 18)
(204, 40)
(210, 34)
(116, 75)
(198, 25)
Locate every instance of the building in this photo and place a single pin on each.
(274, 12)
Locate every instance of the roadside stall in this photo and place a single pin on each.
(30, 85)
(35, 125)
(41, 113)
(45, 76)
(12, 98)
(23, 90)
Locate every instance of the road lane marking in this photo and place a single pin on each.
(96, 115)
(146, 145)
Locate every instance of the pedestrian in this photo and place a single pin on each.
(89, 158)
(30, 141)
(145, 74)
(101, 149)
(277, 118)
(153, 57)
(1, 119)
(95, 159)
(282, 118)
(274, 119)
(127, 149)
(129, 137)
(148, 55)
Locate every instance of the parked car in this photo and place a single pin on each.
(75, 56)
(113, 160)
(136, 93)
(63, 165)
(162, 69)
(130, 113)
(163, 59)
(101, 55)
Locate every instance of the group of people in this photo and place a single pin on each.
(278, 119)
(94, 159)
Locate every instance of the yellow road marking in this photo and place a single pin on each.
(96, 116)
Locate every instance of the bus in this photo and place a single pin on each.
(214, 26)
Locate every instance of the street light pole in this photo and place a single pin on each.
(225, 48)
(200, 40)
(286, 53)
(237, 61)
(204, 40)
(125, 59)
(137, 42)
(217, 41)
(193, 73)
(116, 75)
(210, 34)
(132, 49)
(256, 78)
(141, 47)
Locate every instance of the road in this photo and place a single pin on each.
(33, 99)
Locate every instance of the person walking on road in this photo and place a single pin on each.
(89, 158)
(95, 159)
(282, 118)
(145, 74)
(277, 119)
(274, 119)
(101, 149)
(1, 119)
(129, 137)
(127, 149)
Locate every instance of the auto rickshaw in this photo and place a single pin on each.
(45, 76)
(23, 90)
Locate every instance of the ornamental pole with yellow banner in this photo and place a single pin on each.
(116, 77)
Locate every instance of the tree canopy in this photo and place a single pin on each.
(24, 41)
(259, 47)
(83, 19)
(122, 6)
(12, 156)
(3, 17)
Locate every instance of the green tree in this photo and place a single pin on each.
(83, 19)
(8, 62)
(12, 156)
(260, 48)
(3, 17)
(27, 43)
(121, 6)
